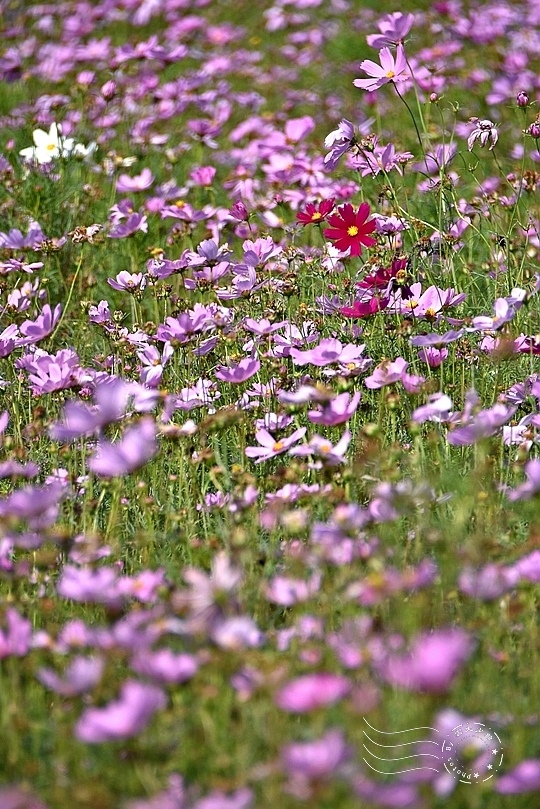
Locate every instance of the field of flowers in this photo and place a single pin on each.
(269, 404)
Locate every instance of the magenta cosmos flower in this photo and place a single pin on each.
(350, 229)
(315, 213)
(389, 70)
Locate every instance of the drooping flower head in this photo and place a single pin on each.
(350, 229)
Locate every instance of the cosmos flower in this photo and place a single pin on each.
(394, 28)
(339, 141)
(389, 70)
(136, 448)
(484, 131)
(51, 145)
(312, 691)
(269, 447)
(350, 229)
(122, 718)
(315, 213)
(432, 663)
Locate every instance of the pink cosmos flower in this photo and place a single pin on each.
(394, 28)
(389, 70)
(238, 372)
(328, 351)
(320, 447)
(137, 446)
(432, 663)
(386, 373)
(270, 447)
(82, 674)
(312, 691)
(122, 718)
(336, 411)
(525, 777)
(42, 326)
(128, 282)
(126, 184)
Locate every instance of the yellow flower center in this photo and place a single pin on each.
(430, 313)
(352, 231)
(316, 216)
(325, 447)
(179, 203)
(50, 147)
(278, 446)
(390, 74)
(411, 304)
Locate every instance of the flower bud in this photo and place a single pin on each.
(534, 129)
(108, 91)
(522, 99)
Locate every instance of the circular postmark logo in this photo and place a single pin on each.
(472, 752)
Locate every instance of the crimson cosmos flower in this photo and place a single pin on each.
(350, 228)
(315, 213)
(365, 308)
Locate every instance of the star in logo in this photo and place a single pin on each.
(490, 766)
(494, 752)
(477, 775)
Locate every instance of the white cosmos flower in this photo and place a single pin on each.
(51, 145)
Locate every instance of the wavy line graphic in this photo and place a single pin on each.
(396, 747)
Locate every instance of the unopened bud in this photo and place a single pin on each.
(522, 99)
(108, 91)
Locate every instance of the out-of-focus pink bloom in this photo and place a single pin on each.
(165, 666)
(203, 176)
(437, 409)
(320, 447)
(13, 797)
(137, 446)
(315, 761)
(126, 184)
(312, 691)
(481, 425)
(17, 638)
(241, 799)
(431, 664)
(488, 583)
(286, 591)
(525, 777)
(174, 797)
(122, 718)
(82, 674)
